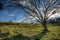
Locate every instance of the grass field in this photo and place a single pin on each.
(18, 32)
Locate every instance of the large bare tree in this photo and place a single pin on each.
(41, 10)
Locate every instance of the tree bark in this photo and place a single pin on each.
(45, 25)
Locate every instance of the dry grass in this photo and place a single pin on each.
(30, 31)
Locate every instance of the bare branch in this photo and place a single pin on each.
(51, 13)
(32, 7)
(39, 13)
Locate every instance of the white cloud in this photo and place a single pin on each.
(55, 15)
(12, 14)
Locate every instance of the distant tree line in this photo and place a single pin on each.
(55, 21)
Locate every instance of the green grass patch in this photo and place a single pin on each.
(9, 31)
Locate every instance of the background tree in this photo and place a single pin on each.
(10, 21)
(41, 10)
(1, 6)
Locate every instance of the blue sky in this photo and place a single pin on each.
(12, 13)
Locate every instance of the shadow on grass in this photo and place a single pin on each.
(40, 35)
(36, 37)
(20, 37)
(4, 36)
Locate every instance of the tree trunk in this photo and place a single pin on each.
(45, 25)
